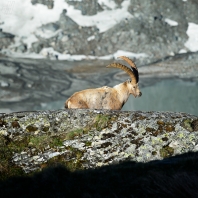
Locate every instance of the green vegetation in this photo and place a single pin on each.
(42, 141)
(101, 121)
(166, 151)
(7, 148)
(74, 164)
(187, 125)
(72, 134)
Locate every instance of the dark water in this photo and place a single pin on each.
(165, 95)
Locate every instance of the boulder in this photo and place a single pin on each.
(83, 139)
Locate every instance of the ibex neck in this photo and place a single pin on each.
(122, 91)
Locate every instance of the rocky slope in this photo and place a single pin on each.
(149, 30)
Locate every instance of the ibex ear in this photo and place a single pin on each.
(129, 81)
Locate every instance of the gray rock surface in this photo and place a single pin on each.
(48, 3)
(82, 139)
(5, 39)
(87, 7)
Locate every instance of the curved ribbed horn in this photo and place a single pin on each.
(126, 69)
(129, 61)
(132, 64)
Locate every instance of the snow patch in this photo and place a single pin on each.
(51, 54)
(21, 18)
(182, 51)
(6, 7)
(192, 42)
(171, 22)
(129, 54)
(24, 18)
(91, 38)
(103, 20)
(29, 40)
(4, 84)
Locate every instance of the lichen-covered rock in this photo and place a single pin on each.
(82, 139)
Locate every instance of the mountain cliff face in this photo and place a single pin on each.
(158, 29)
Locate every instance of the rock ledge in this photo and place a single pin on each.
(82, 139)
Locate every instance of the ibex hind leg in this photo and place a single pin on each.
(66, 105)
(76, 105)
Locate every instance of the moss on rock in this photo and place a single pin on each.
(186, 123)
(7, 166)
(166, 151)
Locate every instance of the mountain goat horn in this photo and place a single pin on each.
(132, 64)
(126, 69)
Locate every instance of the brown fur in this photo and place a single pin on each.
(101, 98)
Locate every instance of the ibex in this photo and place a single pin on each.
(108, 97)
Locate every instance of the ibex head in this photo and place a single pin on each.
(132, 84)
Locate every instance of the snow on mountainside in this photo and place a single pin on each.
(23, 20)
(41, 32)
(192, 43)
